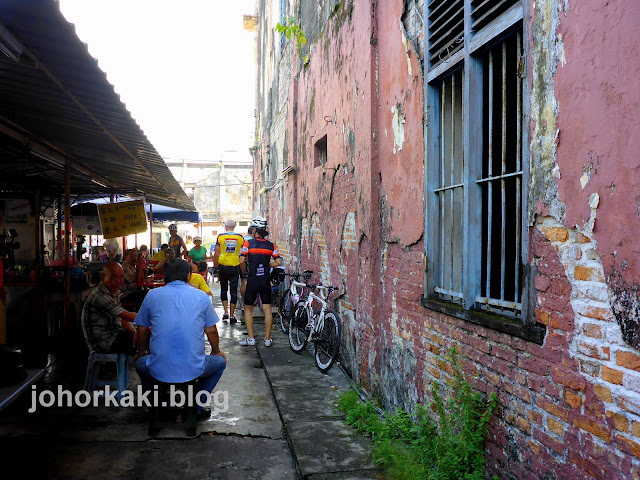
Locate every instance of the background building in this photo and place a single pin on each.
(219, 189)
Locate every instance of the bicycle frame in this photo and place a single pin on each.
(316, 319)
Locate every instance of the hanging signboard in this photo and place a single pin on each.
(122, 219)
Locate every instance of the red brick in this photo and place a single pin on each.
(508, 355)
(560, 412)
(517, 421)
(593, 350)
(599, 313)
(558, 320)
(491, 377)
(612, 376)
(536, 417)
(535, 382)
(568, 379)
(573, 400)
(542, 316)
(556, 303)
(630, 404)
(502, 367)
(617, 421)
(561, 287)
(542, 283)
(592, 426)
(555, 426)
(593, 405)
(518, 392)
(592, 330)
(556, 234)
(628, 445)
(628, 360)
(604, 393)
(551, 389)
(548, 441)
(586, 466)
(588, 274)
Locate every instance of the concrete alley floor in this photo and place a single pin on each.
(281, 423)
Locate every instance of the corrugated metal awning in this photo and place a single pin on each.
(57, 106)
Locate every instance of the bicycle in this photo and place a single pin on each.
(287, 300)
(321, 327)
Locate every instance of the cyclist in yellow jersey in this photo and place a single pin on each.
(226, 258)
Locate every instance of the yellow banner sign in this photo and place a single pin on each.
(122, 219)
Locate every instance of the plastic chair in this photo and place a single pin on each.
(92, 379)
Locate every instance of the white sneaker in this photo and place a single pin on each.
(248, 342)
(267, 343)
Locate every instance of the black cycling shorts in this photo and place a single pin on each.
(258, 285)
(228, 279)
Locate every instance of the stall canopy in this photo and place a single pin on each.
(160, 213)
(57, 109)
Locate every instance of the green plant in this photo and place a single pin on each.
(413, 446)
(290, 28)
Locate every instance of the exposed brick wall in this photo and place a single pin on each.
(568, 409)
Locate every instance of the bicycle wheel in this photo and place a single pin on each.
(327, 340)
(286, 306)
(297, 330)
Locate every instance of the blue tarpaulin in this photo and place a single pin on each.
(168, 214)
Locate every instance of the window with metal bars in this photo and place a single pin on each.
(476, 152)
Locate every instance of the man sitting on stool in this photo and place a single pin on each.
(179, 315)
(106, 324)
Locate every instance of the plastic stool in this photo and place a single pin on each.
(190, 412)
(92, 378)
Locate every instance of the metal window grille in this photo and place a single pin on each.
(501, 181)
(450, 193)
(475, 171)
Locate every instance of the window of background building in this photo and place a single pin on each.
(476, 153)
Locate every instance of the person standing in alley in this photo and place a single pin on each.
(251, 232)
(176, 242)
(261, 255)
(226, 258)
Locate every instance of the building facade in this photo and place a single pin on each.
(467, 172)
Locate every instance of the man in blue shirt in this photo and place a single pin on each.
(179, 317)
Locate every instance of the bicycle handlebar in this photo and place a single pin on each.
(325, 290)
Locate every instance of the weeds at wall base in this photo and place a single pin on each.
(412, 446)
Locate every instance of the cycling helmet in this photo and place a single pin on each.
(173, 227)
(259, 222)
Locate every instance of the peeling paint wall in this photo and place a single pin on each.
(569, 408)
(599, 141)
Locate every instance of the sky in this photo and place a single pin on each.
(184, 68)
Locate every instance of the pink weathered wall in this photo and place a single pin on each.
(599, 122)
(567, 408)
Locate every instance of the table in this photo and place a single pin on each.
(150, 284)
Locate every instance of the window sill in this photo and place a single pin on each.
(532, 333)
